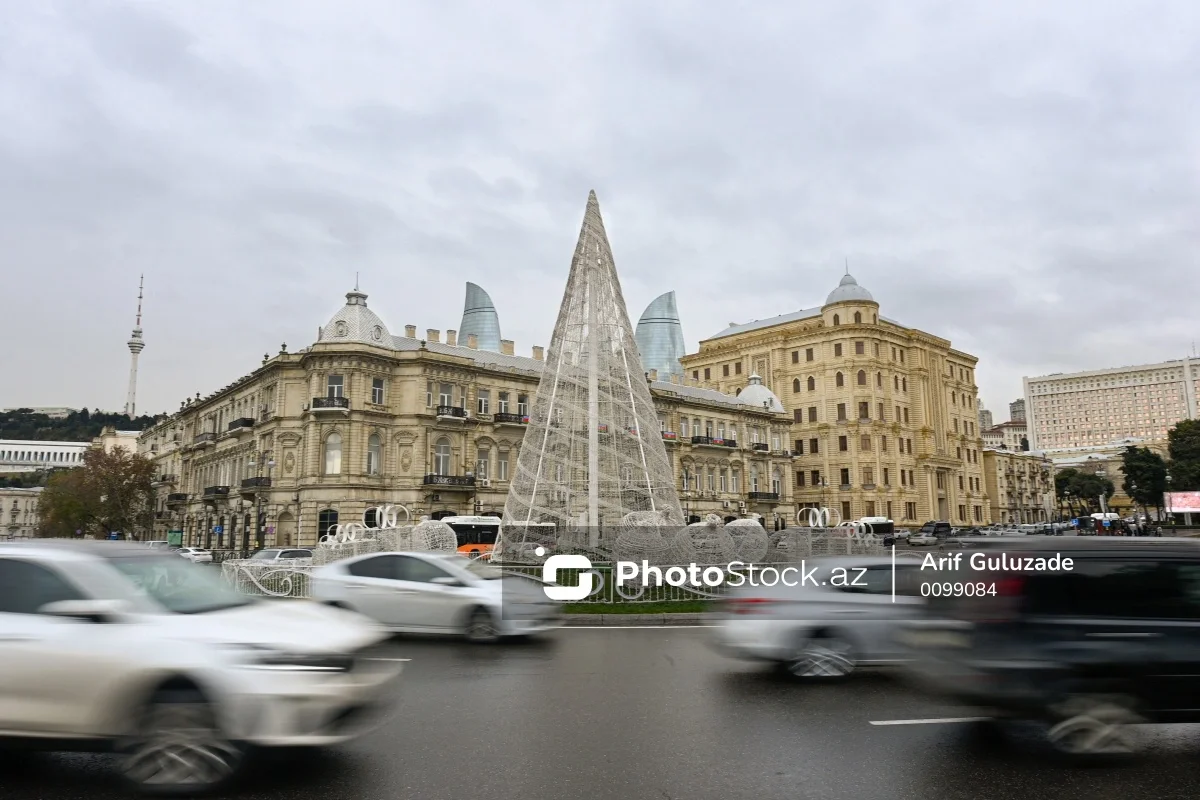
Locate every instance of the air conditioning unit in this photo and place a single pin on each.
(724, 504)
(741, 506)
(485, 482)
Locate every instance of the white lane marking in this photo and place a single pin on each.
(633, 627)
(942, 721)
(389, 659)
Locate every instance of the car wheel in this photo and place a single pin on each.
(1094, 728)
(179, 747)
(825, 657)
(481, 627)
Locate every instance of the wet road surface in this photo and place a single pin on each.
(651, 713)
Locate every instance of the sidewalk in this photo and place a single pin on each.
(635, 620)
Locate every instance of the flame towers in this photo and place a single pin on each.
(660, 337)
(480, 320)
(592, 451)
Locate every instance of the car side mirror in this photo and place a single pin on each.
(96, 611)
(446, 581)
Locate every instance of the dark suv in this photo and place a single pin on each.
(1083, 652)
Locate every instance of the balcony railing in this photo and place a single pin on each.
(176, 497)
(763, 495)
(215, 492)
(457, 412)
(869, 487)
(505, 418)
(240, 424)
(729, 442)
(459, 481)
(164, 479)
(845, 487)
(204, 438)
(702, 440)
(670, 436)
(761, 447)
(252, 485)
(330, 404)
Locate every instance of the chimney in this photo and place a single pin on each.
(452, 338)
(433, 335)
(506, 347)
(653, 374)
(472, 341)
(538, 353)
(410, 331)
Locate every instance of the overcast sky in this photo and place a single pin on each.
(1020, 178)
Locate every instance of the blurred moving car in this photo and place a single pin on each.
(820, 630)
(197, 555)
(111, 646)
(923, 538)
(1085, 653)
(437, 592)
(281, 554)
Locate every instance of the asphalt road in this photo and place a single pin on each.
(652, 714)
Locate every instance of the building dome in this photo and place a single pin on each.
(354, 322)
(849, 291)
(756, 394)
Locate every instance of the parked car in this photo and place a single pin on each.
(158, 544)
(923, 539)
(902, 534)
(197, 555)
(281, 554)
(112, 645)
(1084, 652)
(822, 631)
(434, 592)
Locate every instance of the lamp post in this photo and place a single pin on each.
(1170, 518)
(260, 523)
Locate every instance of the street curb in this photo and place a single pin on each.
(647, 620)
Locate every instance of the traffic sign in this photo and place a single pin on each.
(218, 529)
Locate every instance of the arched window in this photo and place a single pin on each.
(333, 454)
(904, 384)
(862, 377)
(812, 383)
(737, 391)
(795, 385)
(878, 380)
(374, 454)
(837, 320)
(754, 479)
(857, 317)
(776, 482)
(839, 380)
(327, 520)
(441, 457)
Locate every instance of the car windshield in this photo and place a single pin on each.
(179, 586)
(263, 555)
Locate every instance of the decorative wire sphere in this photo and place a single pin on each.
(432, 534)
(704, 542)
(750, 540)
(642, 519)
(648, 543)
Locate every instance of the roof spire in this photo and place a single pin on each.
(847, 266)
(356, 281)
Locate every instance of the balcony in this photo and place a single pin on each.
(450, 412)
(505, 418)
(845, 487)
(253, 485)
(204, 439)
(868, 487)
(465, 482)
(702, 440)
(177, 498)
(322, 405)
(763, 495)
(729, 442)
(163, 480)
(240, 425)
(216, 492)
(761, 447)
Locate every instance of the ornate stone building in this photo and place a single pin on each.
(19, 512)
(1020, 486)
(362, 417)
(885, 417)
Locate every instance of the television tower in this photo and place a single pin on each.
(135, 346)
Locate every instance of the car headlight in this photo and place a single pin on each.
(266, 658)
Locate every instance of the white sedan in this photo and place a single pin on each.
(921, 539)
(161, 661)
(196, 555)
(435, 592)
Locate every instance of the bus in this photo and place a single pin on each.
(880, 526)
(476, 535)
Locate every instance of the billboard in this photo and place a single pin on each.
(175, 537)
(1182, 502)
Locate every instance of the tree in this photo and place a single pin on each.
(110, 492)
(1145, 476)
(1183, 447)
(1084, 488)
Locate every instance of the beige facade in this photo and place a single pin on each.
(1020, 486)
(1007, 435)
(19, 512)
(111, 439)
(1092, 409)
(885, 417)
(362, 418)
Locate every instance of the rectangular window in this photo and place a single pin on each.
(795, 356)
(707, 373)
(377, 391)
(798, 414)
(684, 427)
(841, 412)
(910, 509)
(445, 394)
(725, 370)
(845, 475)
(864, 410)
(961, 485)
(335, 386)
(799, 447)
(775, 443)
(429, 394)
(483, 401)
(883, 444)
(837, 349)
(880, 414)
(800, 479)
(712, 480)
(812, 413)
(869, 477)
(889, 509)
(502, 403)
(906, 416)
(816, 477)
(956, 425)
(870, 508)
(864, 443)
(846, 509)
(860, 348)
(735, 482)
(737, 368)
(877, 349)
(887, 481)
(903, 478)
(724, 480)
(809, 355)
(523, 404)
(502, 465)
(843, 444)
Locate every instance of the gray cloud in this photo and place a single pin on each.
(1018, 179)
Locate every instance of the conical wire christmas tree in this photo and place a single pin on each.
(593, 457)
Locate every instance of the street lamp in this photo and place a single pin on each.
(258, 461)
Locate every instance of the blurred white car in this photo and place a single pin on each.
(819, 630)
(110, 644)
(197, 555)
(435, 592)
(922, 539)
(281, 554)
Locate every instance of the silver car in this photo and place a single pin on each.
(436, 592)
(820, 629)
